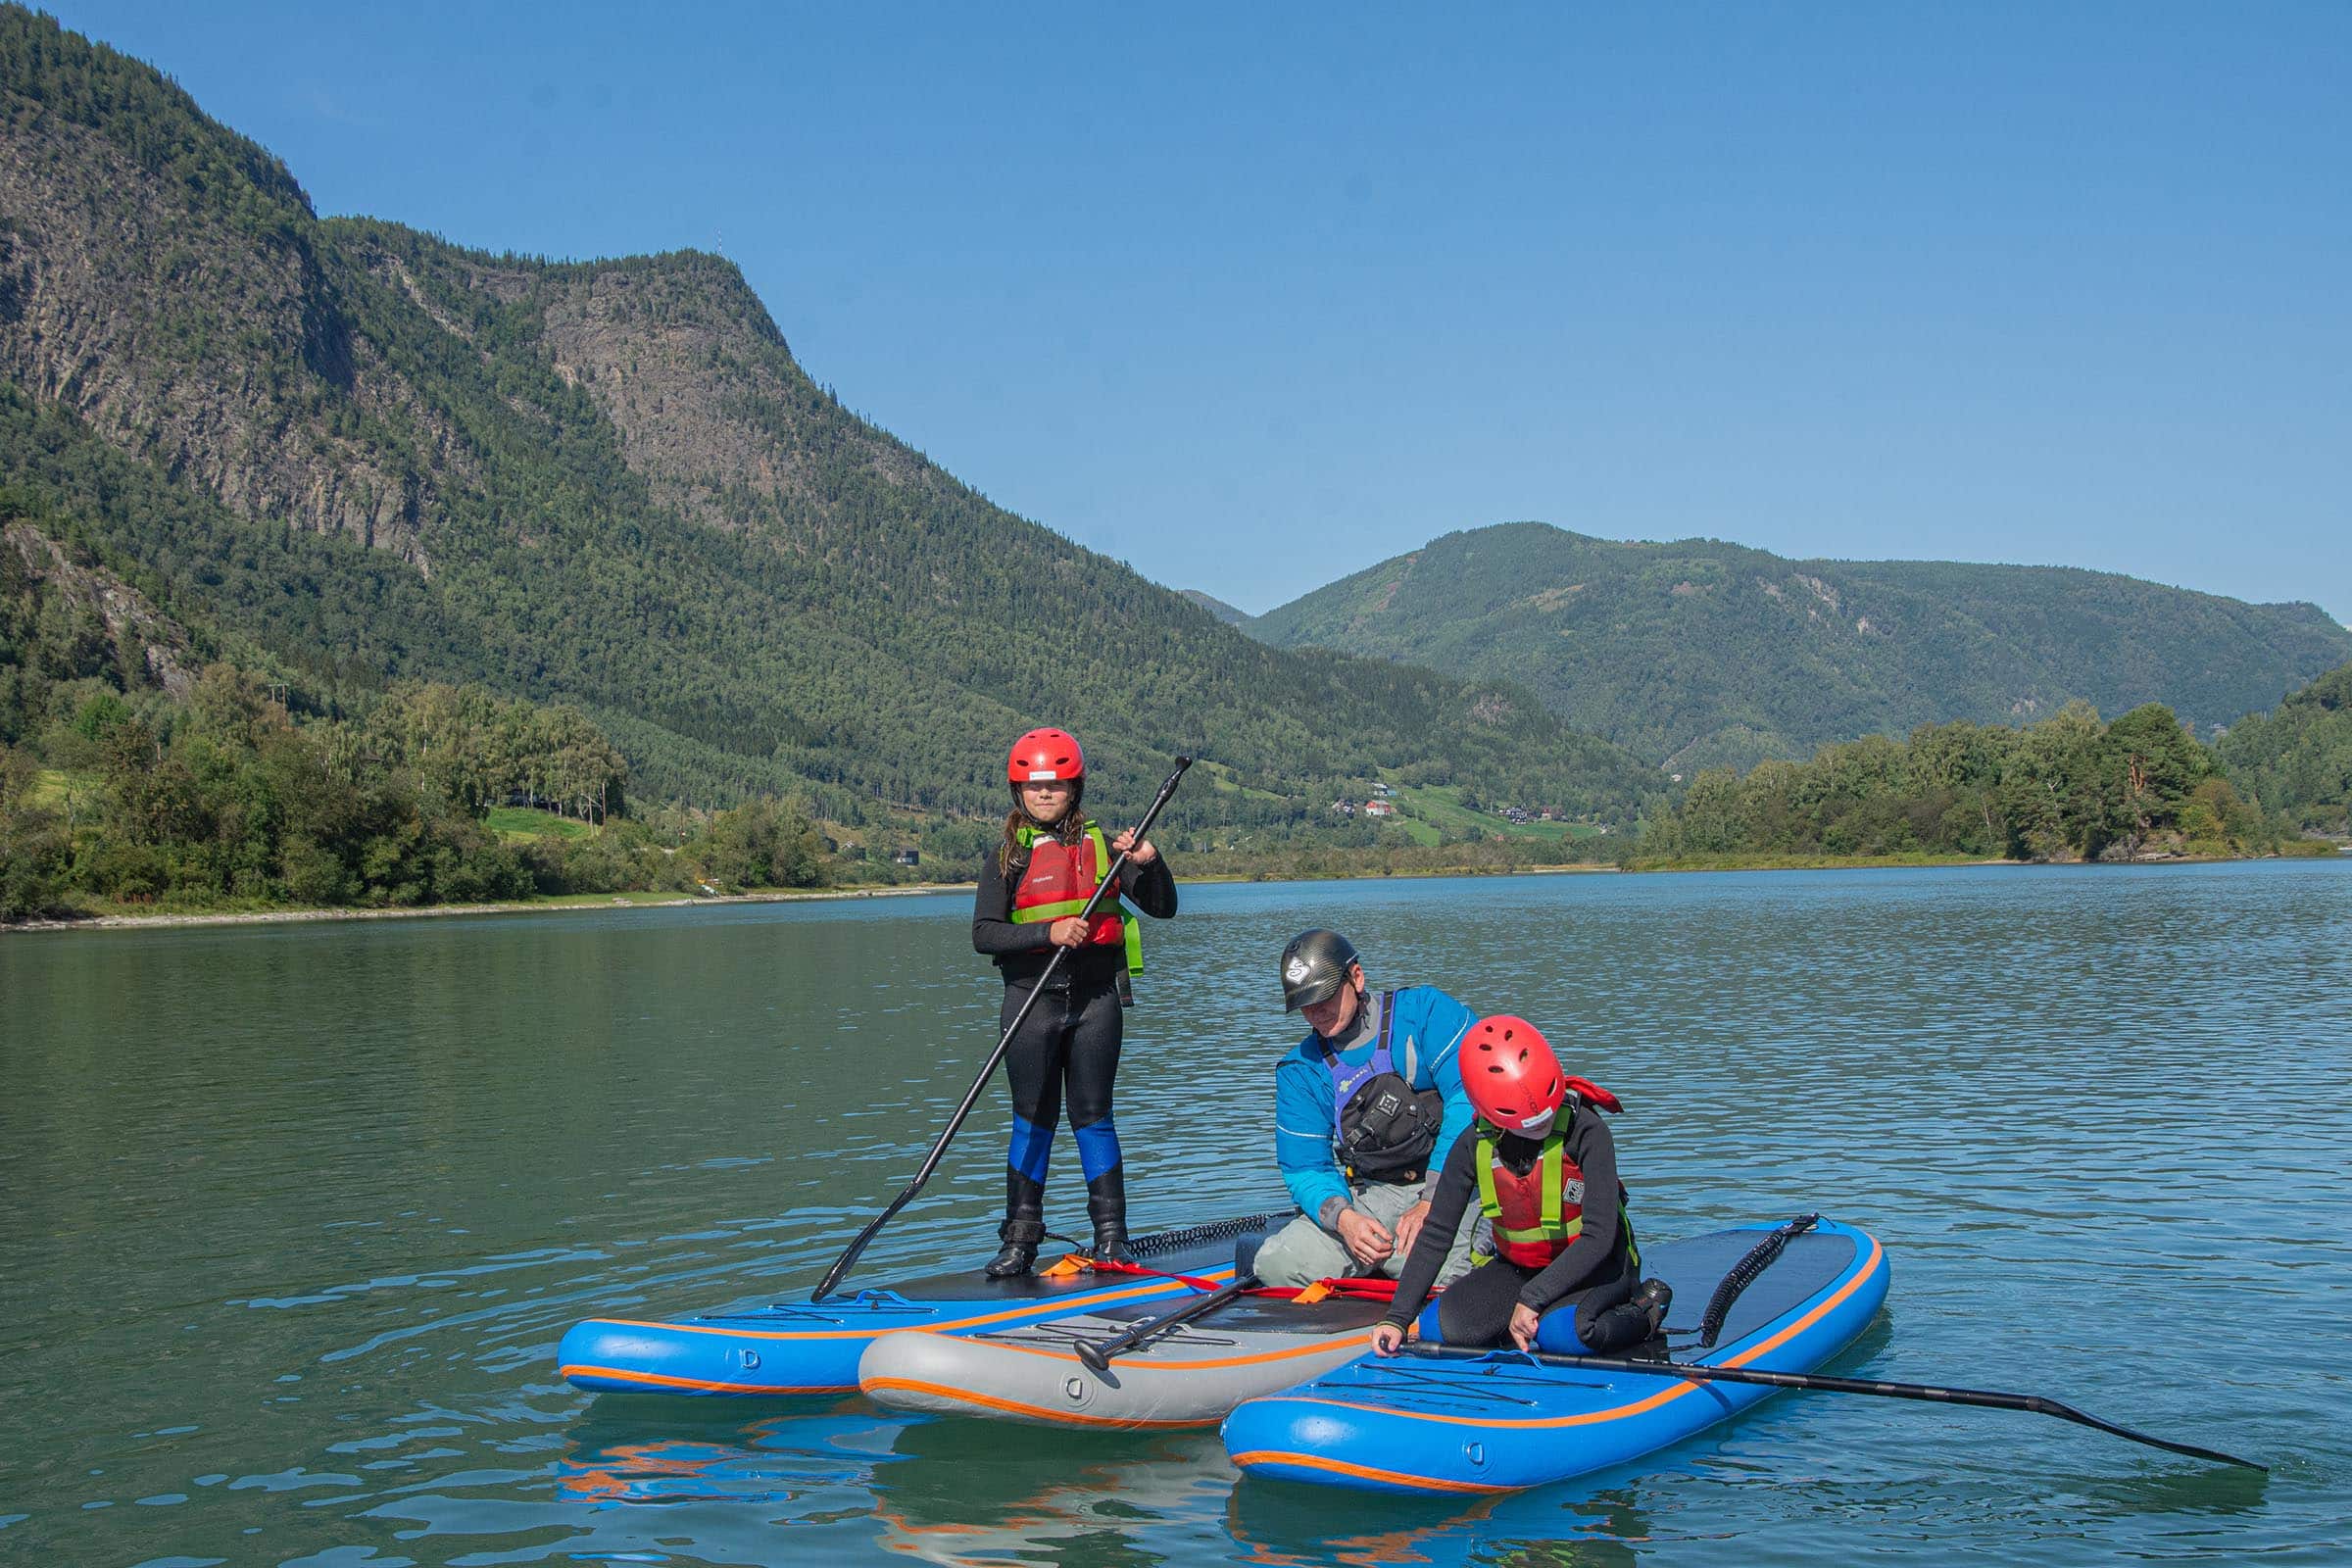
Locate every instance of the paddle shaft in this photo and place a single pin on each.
(1097, 1353)
(1819, 1383)
(971, 1096)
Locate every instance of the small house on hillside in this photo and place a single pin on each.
(904, 856)
(1379, 808)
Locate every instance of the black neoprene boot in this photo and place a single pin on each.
(1107, 1206)
(1023, 1228)
(1653, 1297)
(1634, 1323)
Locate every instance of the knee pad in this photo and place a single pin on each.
(1097, 1146)
(1032, 1148)
(1427, 1323)
(1555, 1333)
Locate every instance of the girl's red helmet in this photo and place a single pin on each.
(1514, 1078)
(1045, 755)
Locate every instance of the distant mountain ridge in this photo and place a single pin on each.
(1218, 608)
(1700, 654)
(373, 453)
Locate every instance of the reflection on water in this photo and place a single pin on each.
(291, 1218)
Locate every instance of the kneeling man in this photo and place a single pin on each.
(1362, 1108)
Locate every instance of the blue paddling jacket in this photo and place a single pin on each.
(1425, 1036)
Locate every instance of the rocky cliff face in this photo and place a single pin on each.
(711, 405)
(152, 641)
(227, 356)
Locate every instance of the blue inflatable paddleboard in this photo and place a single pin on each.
(1501, 1422)
(800, 1348)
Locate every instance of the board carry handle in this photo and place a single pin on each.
(1097, 1353)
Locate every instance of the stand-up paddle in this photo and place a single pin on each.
(1819, 1383)
(1103, 890)
(1097, 1353)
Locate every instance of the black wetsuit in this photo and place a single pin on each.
(1066, 1055)
(1594, 1273)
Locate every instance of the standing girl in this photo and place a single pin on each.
(1032, 886)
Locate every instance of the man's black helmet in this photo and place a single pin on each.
(1313, 969)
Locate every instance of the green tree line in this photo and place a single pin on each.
(2297, 760)
(2070, 788)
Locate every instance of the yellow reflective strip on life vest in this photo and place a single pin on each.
(1048, 911)
(1550, 1159)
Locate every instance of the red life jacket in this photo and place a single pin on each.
(1059, 880)
(1538, 1214)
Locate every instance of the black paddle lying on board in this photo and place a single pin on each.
(1817, 1382)
(971, 1095)
(1097, 1353)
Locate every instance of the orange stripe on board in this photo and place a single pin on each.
(1666, 1396)
(1322, 1347)
(1362, 1472)
(662, 1380)
(1067, 1303)
(1036, 1412)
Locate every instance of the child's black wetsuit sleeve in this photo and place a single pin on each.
(1448, 1201)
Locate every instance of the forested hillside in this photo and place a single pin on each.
(364, 456)
(2298, 760)
(1700, 653)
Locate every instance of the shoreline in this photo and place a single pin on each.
(586, 901)
(597, 901)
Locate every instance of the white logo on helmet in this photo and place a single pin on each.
(1295, 971)
(1040, 775)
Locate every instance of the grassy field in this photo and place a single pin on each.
(528, 822)
(52, 785)
(1427, 810)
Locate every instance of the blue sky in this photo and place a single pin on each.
(1251, 298)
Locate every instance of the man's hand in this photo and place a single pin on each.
(1142, 853)
(1523, 1326)
(1385, 1337)
(1366, 1239)
(1067, 932)
(1408, 1226)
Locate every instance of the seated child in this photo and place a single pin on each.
(1543, 1168)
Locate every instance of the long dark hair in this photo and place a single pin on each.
(1069, 830)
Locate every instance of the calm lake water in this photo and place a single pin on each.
(292, 1217)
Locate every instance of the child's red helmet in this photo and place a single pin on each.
(1045, 755)
(1514, 1078)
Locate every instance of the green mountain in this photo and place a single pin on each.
(1218, 608)
(1703, 653)
(2298, 758)
(369, 454)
